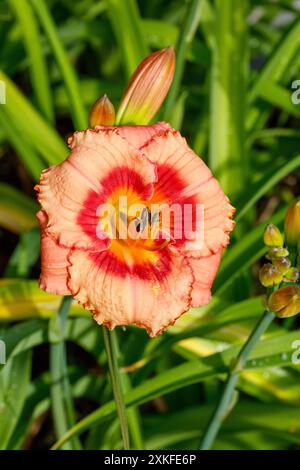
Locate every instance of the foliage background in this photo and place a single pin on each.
(231, 97)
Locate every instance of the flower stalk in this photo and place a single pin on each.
(111, 348)
(224, 406)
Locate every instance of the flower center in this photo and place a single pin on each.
(131, 225)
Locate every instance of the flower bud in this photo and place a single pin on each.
(147, 88)
(285, 302)
(277, 252)
(282, 264)
(292, 225)
(269, 275)
(292, 275)
(273, 236)
(102, 113)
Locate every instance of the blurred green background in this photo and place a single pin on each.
(235, 98)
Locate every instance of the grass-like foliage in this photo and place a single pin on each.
(234, 97)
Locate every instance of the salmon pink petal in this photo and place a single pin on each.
(183, 178)
(138, 136)
(54, 262)
(151, 295)
(204, 270)
(99, 158)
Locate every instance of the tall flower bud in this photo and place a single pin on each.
(292, 225)
(102, 113)
(147, 88)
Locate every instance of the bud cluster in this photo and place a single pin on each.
(281, 273)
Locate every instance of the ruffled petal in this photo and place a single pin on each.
(54, 274)
(204, 271)
(138, 136)
(98, 158)
(151, 295)
(183, 178)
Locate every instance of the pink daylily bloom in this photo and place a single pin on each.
(145, 282)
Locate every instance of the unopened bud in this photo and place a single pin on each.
(273, 236)
(285, 302)
(292, 275)
(102, 113)
(269, 275)
(292, 225)
(277, 252)
(282, 264)
(147, 88)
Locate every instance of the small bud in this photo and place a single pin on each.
(282, 264)
(147, 88)
(292, 225)
(285, 302)
(292, 275)
(273, 236)
(277, 252)
(102, 113)
(269, 275)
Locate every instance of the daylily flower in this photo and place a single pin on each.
(144, 281)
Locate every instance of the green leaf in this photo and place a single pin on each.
(227, 155)
(251, 195)
(24, 299)
(28, 334)
(126, 23)
(276, 68)
(160, 34)
(185, 39)
(247, 415)
(23, 337)
(17, 211)
(14, 382)
(68, 73)
(24, 256)
(34, 128)
(37, 67)
(279, 96)
(25, 152)
(245, 252)
(267, 353)
(200, 322)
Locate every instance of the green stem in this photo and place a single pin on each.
(61, 396)
(111, 347)
(133, 415)
(224, 405)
